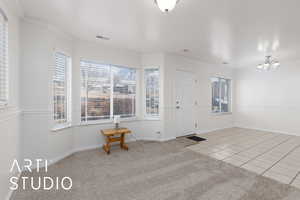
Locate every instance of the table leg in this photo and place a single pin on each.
(122, 142)
(106, 147)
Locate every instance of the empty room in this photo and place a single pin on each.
(149, 100)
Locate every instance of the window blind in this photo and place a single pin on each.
(60, 88)
(3, 60)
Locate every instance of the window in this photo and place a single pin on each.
(152, 92)
(3, 59)
(106, 91)
(221, 95)
(124, 93)
(61, 88)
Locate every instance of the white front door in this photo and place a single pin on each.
(185, 103)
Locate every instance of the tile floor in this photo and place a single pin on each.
(272, 155)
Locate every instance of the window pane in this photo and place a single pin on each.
(83, 93)
(124, 93)
(221, 97)
(60, 88)
(95, 93)
(152, 92)
(225, 87)
(215, 95)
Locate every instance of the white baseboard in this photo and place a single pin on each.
(75, 150)
(268, 130)
(166, 139)
(198, 131)
(212, 130)
(10, 192)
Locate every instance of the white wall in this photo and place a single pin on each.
(269, 100)
(206, 120)
(10, 116)
(39, 42)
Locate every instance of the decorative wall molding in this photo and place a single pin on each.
(36, 112)
(9, 113)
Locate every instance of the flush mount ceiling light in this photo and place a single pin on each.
(269, 64)
(166, 5)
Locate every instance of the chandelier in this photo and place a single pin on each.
(166, 5)
(269, 64)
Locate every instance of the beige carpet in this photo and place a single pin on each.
(157, 171)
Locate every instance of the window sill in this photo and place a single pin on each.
(109, 121)
(60, 127)
(151, 118)
(221, 113)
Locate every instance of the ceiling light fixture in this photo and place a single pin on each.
(269, 64)
(166, 5)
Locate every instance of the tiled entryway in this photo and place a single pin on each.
(272, 155)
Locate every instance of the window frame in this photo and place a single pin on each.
(58, 126)
(147, 116)
(5, 103)
(110, 120)
(229, 94)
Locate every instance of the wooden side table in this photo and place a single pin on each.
(110, 136)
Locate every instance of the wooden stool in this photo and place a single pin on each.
(110, 134)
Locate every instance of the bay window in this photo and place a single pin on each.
(107, 90)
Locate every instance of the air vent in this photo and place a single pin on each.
(101, 37)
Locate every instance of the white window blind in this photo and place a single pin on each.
(221, 95)
(152, 92)
(107, 90)
(60, 88)
(3, 59)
